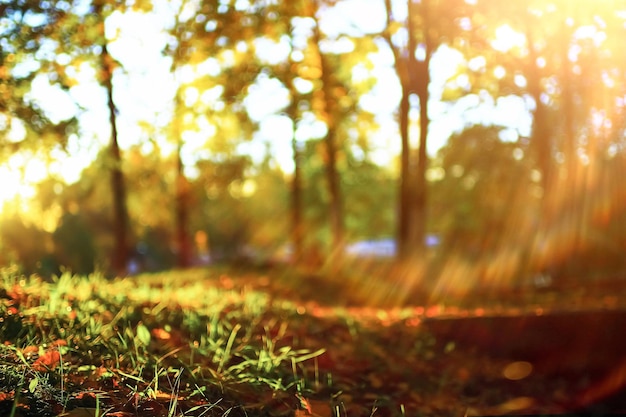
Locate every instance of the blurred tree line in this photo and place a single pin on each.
(201, 180)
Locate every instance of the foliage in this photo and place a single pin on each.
(367, 188)
(247, 80)
(25, 58)
(473, 166)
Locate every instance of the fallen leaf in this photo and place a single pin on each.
(161, 334)
(517, 370)
(47, 361)
(313, 408)
(29, 350)
(515, 404)
(85, 395)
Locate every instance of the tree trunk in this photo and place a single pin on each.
(403, 65)
(182, 186)
(420, 80)
(335, 209)
(182, 213)
(118, 186)
(332, 174)
(297, 230)
(404, 207)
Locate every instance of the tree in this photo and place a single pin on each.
(297, 211)
(181, 183)
(220, 36)
(118, 186)
(330, 114)
(295, 19)
(28, 30)
(74, 36)
(549, 53)
(289, 72)
(483, 181)
(336, 102)
(405, 63)
(420, 84)
(426, 27)
(314, 66)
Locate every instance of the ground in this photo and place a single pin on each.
(223, 341)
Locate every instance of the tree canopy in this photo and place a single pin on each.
(145, 134)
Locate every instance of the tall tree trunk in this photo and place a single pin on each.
(182, 186)
(297, 235)
(118, 186)
(403, 66)
(297, 216)
(336, 209)
(404, 198)
(297, 209)
(330, 142)
(421, 81)
(419, 203)
(182, 212)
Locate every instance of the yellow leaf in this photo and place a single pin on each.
(516, 404)
(517, 370)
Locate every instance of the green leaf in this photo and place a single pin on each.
(143, 334)
(33, 384)
(306, 355)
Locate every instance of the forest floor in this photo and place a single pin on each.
(219, 341)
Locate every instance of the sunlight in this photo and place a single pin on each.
(18, 176)
(507, 38)
(14, 189)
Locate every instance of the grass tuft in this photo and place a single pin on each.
(165, 340)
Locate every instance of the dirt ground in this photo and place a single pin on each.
(529, 351)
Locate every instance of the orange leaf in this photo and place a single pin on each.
(313, 408)
(47, 361)
(305, 404)
(28, 350)
(161, 334)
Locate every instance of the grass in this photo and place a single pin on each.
(253, 342)
(173, 342)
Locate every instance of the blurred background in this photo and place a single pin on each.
(461, 142)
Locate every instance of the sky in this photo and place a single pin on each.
(144, 93)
